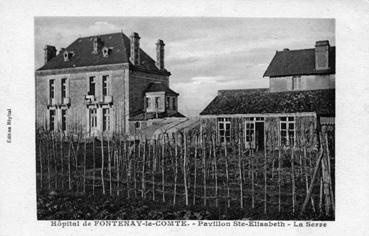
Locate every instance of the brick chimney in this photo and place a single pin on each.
(49, 52)
(135, 49)
(322, 55)
(160, 54)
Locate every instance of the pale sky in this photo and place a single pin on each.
(203, 54)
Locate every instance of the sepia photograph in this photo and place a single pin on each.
(185, 118)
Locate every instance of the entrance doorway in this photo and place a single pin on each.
(259, 136)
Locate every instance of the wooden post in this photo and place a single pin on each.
(325, 174)
(84, 166)
(94, 165)
(153, 169)
(118, 162)
(102, 164)
(301, 169)
(176, 168)
(240, 169)
(76, 161)
(265, 172)
(326, 191)
(321, 195)
(143, 170)
(62, 161)
(279, 178)
(204, 166)
(54, 160)
(129, 165)
(293, 179)
(185, 166)
(329, 171)
(195, 173)
(252, 180)
(227, 174)
(69, 166)
(307, 178)
(41, 171)
(136, 156)
(216, 171)
(162, 168)
(109, 166)
(48, 164)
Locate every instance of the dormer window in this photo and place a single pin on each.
(106, 51)
(97, 43)
(68, 55)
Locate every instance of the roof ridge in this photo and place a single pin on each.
(236, 92)
(302, 91)
(243, 89)
(95, 35)
(301, 49)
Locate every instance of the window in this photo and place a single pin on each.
(52, 120)
(224, 129)
(93, 118)
(167, 102)
(174, 103)
(157, 101)
(92, 82)
(106, 119)
(287, 129)
(51, 88)
(63, 87)
(64, 119)
(138, 125)
(250, 132)
(148, 103)
(105, 85)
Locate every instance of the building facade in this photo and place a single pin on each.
(300, 98)
(98, 83)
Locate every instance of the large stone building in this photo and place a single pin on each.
(102, 83)
(300, 98)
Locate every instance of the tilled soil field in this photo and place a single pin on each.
(69, 206)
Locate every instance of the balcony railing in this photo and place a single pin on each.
(91, 99)
(59, 101)
(51, 102)
(66, 101)
(108, 99)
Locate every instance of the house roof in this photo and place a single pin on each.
(160, 87)
(298, 62)
(261, 101)
(82, 48)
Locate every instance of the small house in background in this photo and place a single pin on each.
(300, 98)
(103, 84)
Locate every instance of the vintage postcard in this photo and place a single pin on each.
(157, 123)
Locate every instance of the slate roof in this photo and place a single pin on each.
(83, 47)
(152, 115)
(160, 87)
(298, 62)
(260, 101)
